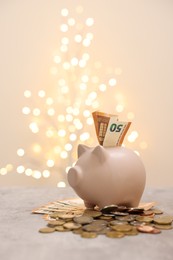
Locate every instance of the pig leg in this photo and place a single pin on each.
(88, 205)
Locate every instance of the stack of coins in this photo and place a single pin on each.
(112, 221)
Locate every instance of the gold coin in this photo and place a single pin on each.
(100, 222)
(122, 228)
(157, 211)
(61, 229)
(55, 223)
(92, 213)
(145, 229)
(93, 228)
(117, 222)
(72, 225)
(165, 220)
(132, 232)
(109, 209)
(144, 219)
(114, 234)
(65, 215)
(164, 227)
(88, 234)
(83, 219)
(46, 230)
(77, 231)
(105, 217)
(54, 215)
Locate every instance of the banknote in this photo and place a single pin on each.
(109, 130)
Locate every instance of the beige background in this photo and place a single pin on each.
(136, 36)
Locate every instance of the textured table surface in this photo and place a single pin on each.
(20, 239)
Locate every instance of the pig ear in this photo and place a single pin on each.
(100, 152)
(82, 149)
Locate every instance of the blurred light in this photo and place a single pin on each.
(28, 172)
(112, 82)
(64, 48)
(86, 113)
(57, 59)
(61, 118)
(50, 163)
(136, 152)
(63, 154)
(89, 36)
(42, 93)
(65, 40)
(119, 108)
(74, 61)
(86, 42)
(71, 21)
(49, 133)
(85, 78)
(90, 121)
(73, 137)
(9, 167)
(78, 38)
(85, 56)
(102, 87)
(83, 86)
(76, 111)
(66, 65)
(34, 127)
(51, 112)
(64, 12)
(67, 169)
(36, 174)
(36, 148)
(20, 152)
(27, 93)
(130, 115)
(49, 101)
(3, 171)
(36, 112)
(82, 63)
(46, 174)
(26, 110)
(92, 95)
(132, 137)
(62, 133)
(68, 147)
(89, 21)
(64, 27)
(69, 118)
(65, 90)
(61, 184)
(84, 136)
(20, 169)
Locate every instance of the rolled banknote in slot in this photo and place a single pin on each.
(101, 121)
(109, 131)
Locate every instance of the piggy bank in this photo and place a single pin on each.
(108, 175)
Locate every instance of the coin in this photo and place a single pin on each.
(54, 223)
(92, 213)
(46, 230)
(72, 225)
(106, 217)
(145, 229)
(156, 231)
(137, 223)
(165, 220)
(77, 231)
(88, 234)
(61, 229)
(100, 222)
(83, 219)
(109, 209)
(144, 219)
(157, 211)
(117, 222)
(147, 213)
(164, 227)
(132, 232)
(135, 210)
(93, 228)
(122, 228)
(119, 213)
(114, 234)
(54, 215)
(65, 215)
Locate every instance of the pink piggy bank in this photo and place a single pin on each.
(108, 175)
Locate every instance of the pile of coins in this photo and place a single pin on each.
(112, 221)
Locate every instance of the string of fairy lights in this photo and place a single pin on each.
(61, 116)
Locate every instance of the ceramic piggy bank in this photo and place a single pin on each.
(108, 175)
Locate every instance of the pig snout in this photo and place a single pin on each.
(74, 176)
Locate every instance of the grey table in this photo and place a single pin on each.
(20, 239)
